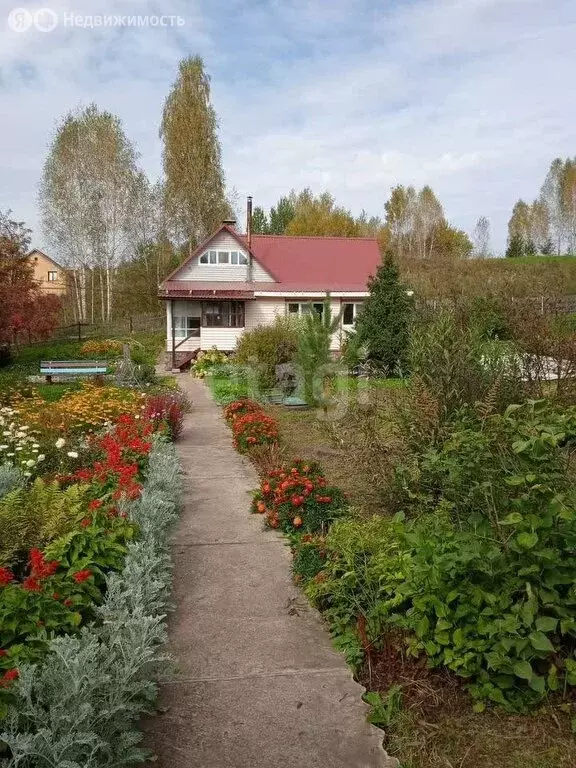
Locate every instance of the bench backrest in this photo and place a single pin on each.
(73, 366)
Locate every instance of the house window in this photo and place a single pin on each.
(185, 326)
(52, 277)
(299, 308)
(223, 314)
(350, 313)
(223, 257)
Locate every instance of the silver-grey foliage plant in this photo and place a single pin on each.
(10, 479)
(79, 708)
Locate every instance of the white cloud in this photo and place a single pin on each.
(473, 97)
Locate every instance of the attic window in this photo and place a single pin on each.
(223, 257)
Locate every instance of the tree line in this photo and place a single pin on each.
(548, 224)
(119, 234)
(413, 224)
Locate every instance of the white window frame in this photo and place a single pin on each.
(52, 276)
(219, 258)
(357, 305)
(182, 325)
(303, 307)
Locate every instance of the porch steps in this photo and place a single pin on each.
(184, 363)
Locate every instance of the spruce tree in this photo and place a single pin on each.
(515, 247)
(384, 321)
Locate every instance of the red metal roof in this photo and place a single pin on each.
(296, 263)
(325, 263)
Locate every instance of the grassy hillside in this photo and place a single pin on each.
(526, 276)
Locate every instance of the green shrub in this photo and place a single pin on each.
(488, 318)
(267, 346)
(458, 367)
(206, 361)
(479, 570)
(32, 517)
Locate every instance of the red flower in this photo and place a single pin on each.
(56, 596)
(8, 677)
(81, 576)
(6, 576)
(96, 504)
(40, 569)
(86, 522)
(68, 602)
(3, 652)
(31, 584)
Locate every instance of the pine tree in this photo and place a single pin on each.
(313, 352)
(384, 321)
(515, 247)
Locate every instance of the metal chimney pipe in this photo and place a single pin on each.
(249, 236)
(249, 220)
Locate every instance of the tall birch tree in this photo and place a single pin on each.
(88, 196)
(481, 238)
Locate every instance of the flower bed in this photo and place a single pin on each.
(92, 582)
(85, 410)
(105, 348)
(251, 427)
(298, 498)
(79, 706)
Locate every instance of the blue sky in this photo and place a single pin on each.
(474, 97)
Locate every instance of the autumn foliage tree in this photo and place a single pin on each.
(24, 311)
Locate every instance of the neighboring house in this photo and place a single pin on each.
(233, 282)
(49, 275)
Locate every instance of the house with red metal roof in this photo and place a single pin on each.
(235, 282)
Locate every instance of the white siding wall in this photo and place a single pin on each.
(263, 311)
(222, 272)
(336, 337)
(221, 338)
(260, 311)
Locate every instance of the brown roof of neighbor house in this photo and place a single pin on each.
(37, 250)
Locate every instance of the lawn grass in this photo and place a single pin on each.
(53, 392)
(435, 727)
(225, 389)
(145, 348)
(350, 383)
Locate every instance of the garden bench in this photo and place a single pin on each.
(50, 368)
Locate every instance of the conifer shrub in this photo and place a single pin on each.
(384, 321)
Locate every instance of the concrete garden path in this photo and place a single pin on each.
(258, 684)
